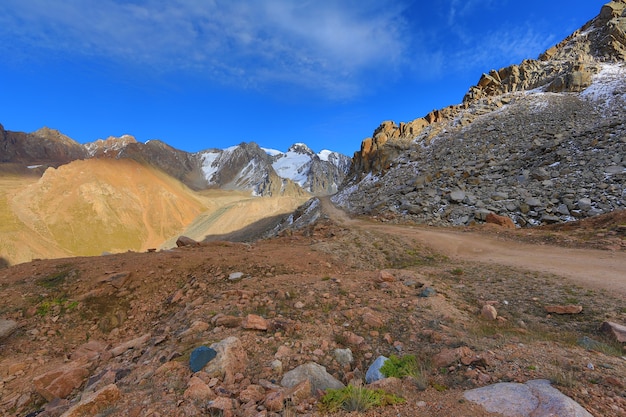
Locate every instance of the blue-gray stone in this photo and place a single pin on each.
(427, 292)
(200, 357)
(373, 372)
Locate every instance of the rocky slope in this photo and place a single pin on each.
(539, 142)
(115, 335)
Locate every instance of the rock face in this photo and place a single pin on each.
(6, 328)
(42, 147)
(534, 398)
(540, 142)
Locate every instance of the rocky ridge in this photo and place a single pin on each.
(540, 142)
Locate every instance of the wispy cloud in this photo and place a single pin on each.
(321, 45)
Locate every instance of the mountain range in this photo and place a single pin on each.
(534, 143)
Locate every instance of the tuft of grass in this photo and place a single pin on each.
(401, 367)
(352, 398)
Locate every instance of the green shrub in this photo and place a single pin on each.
(400, 367)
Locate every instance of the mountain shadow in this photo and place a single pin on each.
(4, 263)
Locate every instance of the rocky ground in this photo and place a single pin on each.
(124, 327)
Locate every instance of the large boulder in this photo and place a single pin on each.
(230, 360)
(316, 374)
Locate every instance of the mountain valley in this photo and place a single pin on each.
(467, 263)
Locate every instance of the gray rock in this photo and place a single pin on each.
(343, 356)
(6, 328)
(584, 204)
(316, 374)
(373, 372)
(457, 196)
(235, 276)
(533, 399)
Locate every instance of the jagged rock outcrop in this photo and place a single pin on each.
(539, 142)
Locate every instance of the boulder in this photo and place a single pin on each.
(6, 328)
(533, 399)
(200, 356)
(616, 331)
(373, 372)
(60, 382)
(254, 322)
(502, 221)
(92, 404)
(131, 344)
(183, 241)
(198, 390)
(230, 360)
(489, 312)
(315, 373)
(343, 356)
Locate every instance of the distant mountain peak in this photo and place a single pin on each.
(301, 148)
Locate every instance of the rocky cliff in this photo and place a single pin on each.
(540, 142)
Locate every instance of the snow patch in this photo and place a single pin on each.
(608, 85)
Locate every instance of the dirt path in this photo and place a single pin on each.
(586, 267)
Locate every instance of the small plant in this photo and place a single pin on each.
(400, 367)
(55, 279)
(457, 271)
(352, 398)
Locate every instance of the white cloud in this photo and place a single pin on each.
(319, 44)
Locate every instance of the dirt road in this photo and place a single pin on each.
(589, 268)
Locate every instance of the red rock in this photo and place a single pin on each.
(89, 351)
(449, 357)
(198, 390)
(354, 339)
(569, 309)
(62, 381)
(300, 392)
(372, 319)
(229, 321)
(131, 344)
(254, 393)
(92, 404)
(502, 221)
(274, 401)
(254, 322)
(222, 404)
(489, 312)
(616, 331)
(386, 276)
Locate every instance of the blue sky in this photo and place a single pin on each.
(202, 74)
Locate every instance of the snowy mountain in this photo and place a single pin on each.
(319, 174)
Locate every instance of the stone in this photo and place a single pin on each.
(449, 357)
(131, 344)
(6, 328)
(117, 280)
(386, 276)
(343, 356)
(254, 322)
(533, 399)
(315, 373)
(235, 276)
(228, 321)
(92, 404)
(300, 392)
(427, 292)
(567, 309)
(372, 319)
(502, 221)
(489, 312)
(60, 382)
(457, 196)
(373, 372)
(183, 241)
(89, 351)
(230, 360)
(222, 405)
(198, 390)
(252, 393)
(200, 356)
(615, 330)
(274, 401)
